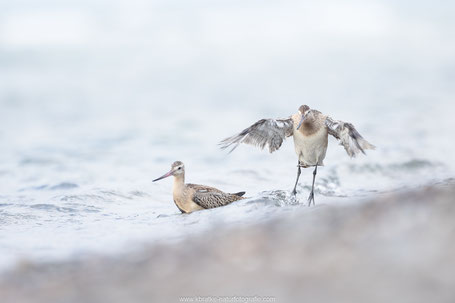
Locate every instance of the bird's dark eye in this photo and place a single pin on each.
(180, 168)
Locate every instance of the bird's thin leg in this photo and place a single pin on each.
(311, 197)
(299, 171)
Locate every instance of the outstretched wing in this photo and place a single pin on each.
(271, 132)
(348, 136)
(210, 199)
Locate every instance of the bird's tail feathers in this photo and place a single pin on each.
(240, 193)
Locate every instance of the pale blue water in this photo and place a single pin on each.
(98, 98)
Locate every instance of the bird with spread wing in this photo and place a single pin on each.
(310, 129)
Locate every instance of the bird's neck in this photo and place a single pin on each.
(178, 190)
(309, 126)
(179, 182)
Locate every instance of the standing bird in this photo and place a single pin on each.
(192, 197)
(310, 129)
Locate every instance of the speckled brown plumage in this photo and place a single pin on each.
(211, 198)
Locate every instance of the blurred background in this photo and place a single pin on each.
(97, 98)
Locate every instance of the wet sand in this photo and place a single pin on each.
(398, 247)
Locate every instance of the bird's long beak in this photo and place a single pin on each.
(169, 173)
(301, 121)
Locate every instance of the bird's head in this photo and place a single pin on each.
(177, 169)
(303, 111)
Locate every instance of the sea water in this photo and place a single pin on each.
(98, 98)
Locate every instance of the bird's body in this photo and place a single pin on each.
(310, 140)
(193, 197)
(310, 130)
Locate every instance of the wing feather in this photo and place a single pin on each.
(214, 199)
(265, 132)
(348, 136)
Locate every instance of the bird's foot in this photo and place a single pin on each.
(311, 198)
(294, 192)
